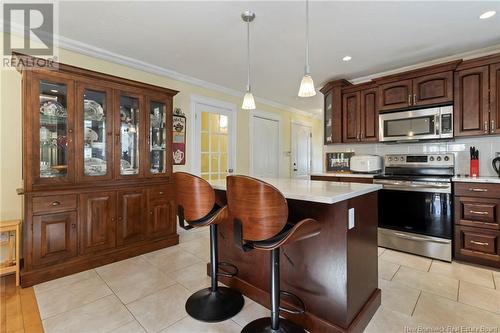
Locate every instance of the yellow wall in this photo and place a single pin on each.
(10, 124)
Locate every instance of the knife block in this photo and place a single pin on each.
(474, 168)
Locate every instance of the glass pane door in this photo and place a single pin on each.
(214, 143)
(54, 129)
(95, 132)
(129, 135)
(158, 141)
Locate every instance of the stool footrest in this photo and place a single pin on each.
(300, 309)
(227, 274)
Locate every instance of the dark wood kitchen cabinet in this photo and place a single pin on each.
(332, 121)
(97, 221)
(477, 223)
(395, 95)
(94, 146)
(360, 115)
(132, 216)
(54, 238)
(495, 98)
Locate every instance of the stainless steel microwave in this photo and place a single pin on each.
(424, 124)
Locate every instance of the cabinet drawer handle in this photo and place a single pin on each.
(409, 99)
(161, 192)
(414, 99)
(478, 189)
(486, 127)
(478, 213)
(479, 243)
(492, 126)
(55, 203)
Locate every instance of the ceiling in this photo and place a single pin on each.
(207, 40)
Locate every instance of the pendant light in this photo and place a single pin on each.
(307, 85)
(248, 101)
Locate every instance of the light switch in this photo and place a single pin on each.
(351, 218)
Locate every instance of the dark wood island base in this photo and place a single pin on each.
(335, 273)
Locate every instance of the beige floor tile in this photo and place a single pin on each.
(134, 278)
(193, 277)
(497, 283)
(478, 296)
(161, 309)
(388, 321)
(430, 282)
(199, 247)
(171, 259)
(459, 271)
(398, 297)
(387, 269)
(56, 301)
(103, 315)
(64, 281)
(251, 312)
(190, 325)
(440, 311)
(189, 235)
(132, 327)
(380, 250)
(406, 259)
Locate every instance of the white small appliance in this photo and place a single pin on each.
(366, 164)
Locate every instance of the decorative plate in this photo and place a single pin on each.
(90, 135)
(124, 164)
(93, 110)
(52, 108)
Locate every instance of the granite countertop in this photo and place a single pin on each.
(313, 190)
(342, 174)
(477, 179)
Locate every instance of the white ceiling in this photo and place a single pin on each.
(207, 40)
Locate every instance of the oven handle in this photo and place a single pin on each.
(419, 239)
(415, 187)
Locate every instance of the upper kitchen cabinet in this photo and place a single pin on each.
(332, 121)
(422, 87)
(158, 142)
(476, 108)
(359, 114)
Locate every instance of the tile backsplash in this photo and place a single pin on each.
(488, 146)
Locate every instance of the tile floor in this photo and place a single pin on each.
(147, 294)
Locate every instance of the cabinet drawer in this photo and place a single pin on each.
(480, 190)
(159, 193)
(477, 212)
(477, 245)
(54, 203)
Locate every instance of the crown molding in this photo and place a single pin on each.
(99, 53)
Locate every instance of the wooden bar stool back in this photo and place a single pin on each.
(195, 199)
(260, 213)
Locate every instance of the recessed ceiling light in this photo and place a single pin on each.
(488, 14)
(347, 58)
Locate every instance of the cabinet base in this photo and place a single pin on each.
(79, 264)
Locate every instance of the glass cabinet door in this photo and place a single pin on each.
(95, 132)
(158, 142)
(127, 133)
(53, 146)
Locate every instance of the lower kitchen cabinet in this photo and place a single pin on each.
(161, 215)
(54, 238)
(97, 221)
(477, 223)
(132, 208)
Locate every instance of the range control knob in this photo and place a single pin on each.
(401, 158)
(446, 158)
(389, 158)
(431, 158)
(438, 158)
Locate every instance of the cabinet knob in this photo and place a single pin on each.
(161, 192)
(73, 225)
(486, 127)
(151, 212)
(414, 99)
(492, 126)
(70, 131)
(120, 218)
(409, 99)
(55, 203)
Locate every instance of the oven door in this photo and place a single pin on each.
(416, 207)
(410, 125)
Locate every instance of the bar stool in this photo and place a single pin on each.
(260, 222)
(195, 199)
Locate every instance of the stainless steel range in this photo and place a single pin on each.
(415, 206)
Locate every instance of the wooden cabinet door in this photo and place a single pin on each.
(97, 221)
(495, 99)
(158, 154)
(162, 218)
(328, 119)
(351, 116)
(54, 238)
(395, 95)
(369, 115)
(132, 217)
(471, 102)
(433, 89)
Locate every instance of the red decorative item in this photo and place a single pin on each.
(474, 168)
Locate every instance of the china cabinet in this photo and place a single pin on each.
(96, 168)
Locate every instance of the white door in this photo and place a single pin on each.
(265, 147)
(214, 141)
(301, 150)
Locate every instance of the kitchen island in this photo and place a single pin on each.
(335, 273)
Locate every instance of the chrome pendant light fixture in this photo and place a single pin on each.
(307, 85)
(248, 101)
